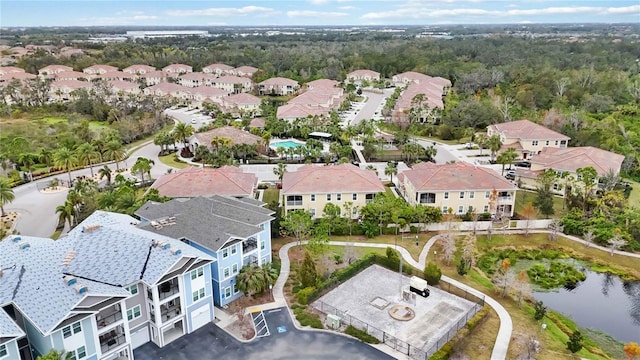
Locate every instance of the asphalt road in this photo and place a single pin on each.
(374, 104)
(211, 342)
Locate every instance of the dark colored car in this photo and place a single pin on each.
(524, 164)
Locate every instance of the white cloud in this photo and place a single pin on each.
(225, 12)
(117, 20)
(310, 13)
(318, 2)
(622, 10)
(347, 7)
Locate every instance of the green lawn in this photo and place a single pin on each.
(524, 197)
(54, 119)
(634, 197)
(170, 160)
(270, 195)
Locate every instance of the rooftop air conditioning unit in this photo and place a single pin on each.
(81, 289)
(70, 280)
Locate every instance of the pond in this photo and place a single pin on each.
(601, 302)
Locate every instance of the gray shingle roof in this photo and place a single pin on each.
(104, 259)
(8, 328)
(210, 222)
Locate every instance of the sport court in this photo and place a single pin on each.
(370, 295)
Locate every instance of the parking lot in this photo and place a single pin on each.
(434, 315)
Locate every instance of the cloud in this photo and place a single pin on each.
(310, 13)
(347, 7)
(225, 12)
(318, 2)
(117, 20)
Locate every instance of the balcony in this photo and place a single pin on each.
(505, 199)
(249, 245)
(108, 316)
(250, 260)
(112, 339)
(170, 310)
(168, 289)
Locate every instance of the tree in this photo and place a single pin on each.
(142, 166)
(28, 160)
(507, 157)
(66, 212)
(632, 350)
(330, 215)
(432, 273)
(540, 310)
(554, 228)
(528, 213)
(308, 273)
(279, 171)
(448, 247)
(521, 287)
(182, 132)
(87, 154)
(616, 242)
(575, 342)
(254, 279)
(589, 238)
(298, 224)
(462, 267)
(391, 170)
(54, 354)
(588, 178)
(114, 150)
(349, 210)
(6, 194)
(66, 159)
(494, 143)
(105, 172)
(544, 197)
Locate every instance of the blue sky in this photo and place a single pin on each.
(313, 12)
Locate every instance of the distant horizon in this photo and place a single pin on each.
(306, 13)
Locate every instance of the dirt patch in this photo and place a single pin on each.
(8, 221)
(242, 327)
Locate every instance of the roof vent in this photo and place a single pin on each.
(156, 225)
(81, 289)
(24, 245)
(90, 227)
(176, 251)
(70, 280)
(70, 256)
(1, 273)
(17, 238)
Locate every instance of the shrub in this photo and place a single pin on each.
(303, 295)
(361, 335)
(308, 319)
(432, 274)
(263, 186)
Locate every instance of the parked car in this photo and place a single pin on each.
(524, 164)
(510, 175)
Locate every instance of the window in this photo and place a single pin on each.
(486, 208)
(354, 197)
(235, 289)
(446, 195)
(460, 209)
(556, 142)
(3, 350)
(461, 194)
(354, 210)
(470, 209)
(234, 269)
(234, 249)
(198, 294)
(313, 197)
(66, 331)
(534, 143)
(294, 200)
(369, 198)
(313, 212)
(263, 245)
(338, 197)
(427, 198)
(261, 226)
(225, 272)
(77, 327)
(197, 273)
(82, 352)
(487, 194)
(547, 143)
(133, 289)
(328, 197)
(445, 209)
(225, 253)
(227, 292)
(472, 194)
(133, 313)
(71, 355)
(556, 187)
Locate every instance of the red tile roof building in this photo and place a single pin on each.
(198, 181)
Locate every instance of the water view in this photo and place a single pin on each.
(602, 302)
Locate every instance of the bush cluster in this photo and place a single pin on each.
(361, 335)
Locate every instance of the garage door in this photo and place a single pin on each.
(139, 337)
(200, 317)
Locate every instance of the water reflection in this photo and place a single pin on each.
(601, 302)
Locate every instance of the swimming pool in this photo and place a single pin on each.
(285, 144)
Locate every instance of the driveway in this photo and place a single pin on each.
(372, 105)
(284, 342)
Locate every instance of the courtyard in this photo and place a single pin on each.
(369, 297)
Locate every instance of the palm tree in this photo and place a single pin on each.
(507, 157)
(44, 156)
(114, 150)
(86, 154)
(6, 194)
(279, 171)
(494, 144)
(105, 172)
(182, 132)
(391, 170)
(28, 160)
(255, 279)
(65, 212)
(66, 159)
(143, 166)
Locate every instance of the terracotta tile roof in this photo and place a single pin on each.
(363, 72)
(279, 81)
(232, 79)
(17, 76)
(55, 68)
(245, 70)
(167, 87)
(99, 68)
(322, 83)
(134, 69)
(433, 95)
(414, 76)
(574, 158)
(294, 111)
(197, 181)
(457, 176)
(257, 123)
(71, 75)
(71, 84)
(237, 136)
(526, 130)
(154, 74)
(10, 69)
(123, 85)
(312, 98)
(318, 179)
(242, 99)
(207, 91)
(440, 81)
(223, 67)
(114, 75)
(196, 76)
(177, 68)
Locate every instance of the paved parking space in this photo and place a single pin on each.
(285, 342)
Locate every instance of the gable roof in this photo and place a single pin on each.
(110, 255)
(290, 111)
(279, 81)
(242, 99)
(574, 158)
(8, 328)
(237, 136)
(526, 130)
(322, 83)
(363, 72)
(210, 222)
(457, 176)
(198, 181)
(343, 178)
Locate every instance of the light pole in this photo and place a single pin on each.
(271, 291)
